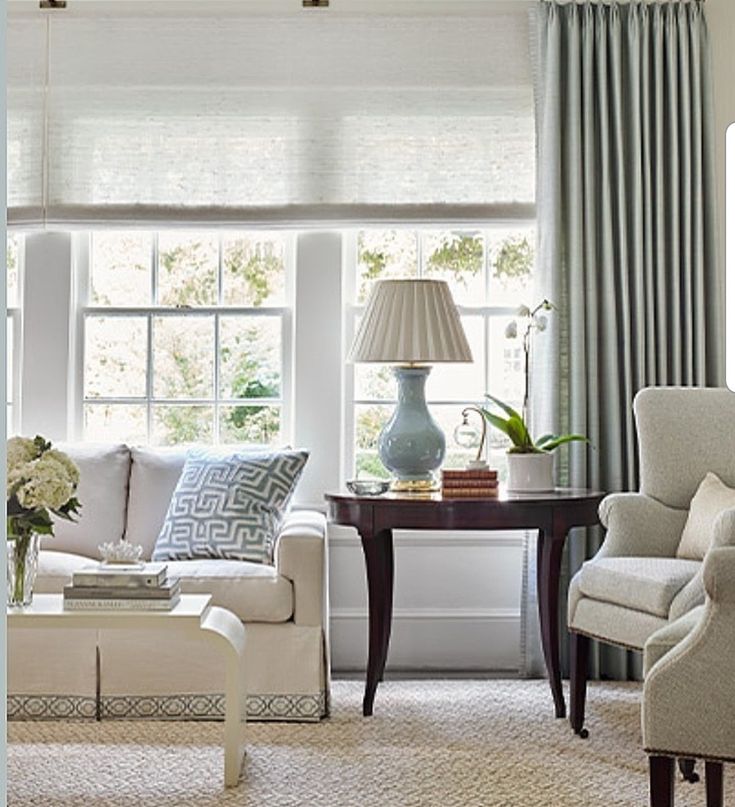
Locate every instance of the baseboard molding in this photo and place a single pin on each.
(443, 614)
(443, 538)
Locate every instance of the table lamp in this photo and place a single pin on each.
(412, 324)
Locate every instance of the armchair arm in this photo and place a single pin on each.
(724, 529)
(301, 557)
(638, 525)
(689, 695)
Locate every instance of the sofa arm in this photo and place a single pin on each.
(724, 529)
(689, 695)
(301, 557)
(638, 525)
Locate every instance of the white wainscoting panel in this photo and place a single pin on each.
(456, 601)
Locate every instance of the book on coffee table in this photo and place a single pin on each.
(120, 575)
(121, 604)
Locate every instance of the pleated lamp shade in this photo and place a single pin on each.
(410, 321)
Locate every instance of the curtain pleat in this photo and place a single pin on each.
(626, 222)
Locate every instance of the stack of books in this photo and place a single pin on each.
(469, 484)
(138, 587)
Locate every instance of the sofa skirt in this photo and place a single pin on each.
(139, 675)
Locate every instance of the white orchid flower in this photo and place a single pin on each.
(511, 330)
(523, 311)
(540, 322)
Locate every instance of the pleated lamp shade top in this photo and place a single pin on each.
(410, 321)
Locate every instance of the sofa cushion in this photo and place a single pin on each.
(713, 496)
(643, 584)
(104, 472)
(229, 507)
(154, 473)
(55, 570)
(253, 591)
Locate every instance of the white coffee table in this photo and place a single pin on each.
(194, 615)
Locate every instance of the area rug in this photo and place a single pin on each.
(430, 744)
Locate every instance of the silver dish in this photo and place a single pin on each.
(368, 487)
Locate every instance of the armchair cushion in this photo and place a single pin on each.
(642, 584)
(712, 498)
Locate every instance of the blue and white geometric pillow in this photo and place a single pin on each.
(229, 507)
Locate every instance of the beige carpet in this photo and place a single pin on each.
(430, 744)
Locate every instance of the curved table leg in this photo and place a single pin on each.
(226, 630)
(378, 551)
(548, 569)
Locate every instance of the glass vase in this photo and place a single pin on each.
(22, 568)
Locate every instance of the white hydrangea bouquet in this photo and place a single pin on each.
(41, 482)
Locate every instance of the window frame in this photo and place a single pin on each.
(14, 319)
(83, 310)
(353, 311)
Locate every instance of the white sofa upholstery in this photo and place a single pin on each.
(125, 494)
(636, 585)
(689, 695)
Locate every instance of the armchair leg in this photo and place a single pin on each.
(713, 780)
(661, 781)
(579, 654)
(686, 768)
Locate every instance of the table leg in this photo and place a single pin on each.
(378, 551)
(548, 571)
(227, 630)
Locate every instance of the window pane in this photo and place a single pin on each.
(457, 257)
(253, 270)
(250, 424)
(121, 269)
(461, 382)
(124, 423)
(369, 422)
(183, 357)
(115, 357)
(384, 254)
(12, 259)
(505, 364)
(187, 268)
(511, 256)
(374, 382)
(250, 357)
(182, 424)
(9, 362)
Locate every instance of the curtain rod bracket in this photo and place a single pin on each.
(315, 3)
(52, 4)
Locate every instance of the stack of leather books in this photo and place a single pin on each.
(469, 484)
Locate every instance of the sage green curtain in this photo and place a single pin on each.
(627, 231)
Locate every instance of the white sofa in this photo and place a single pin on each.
(125, 493)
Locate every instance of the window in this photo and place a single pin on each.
(186, 337)
(489, 272)
(13, 260)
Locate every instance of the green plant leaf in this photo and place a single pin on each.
(495, 420)
(504, 406)
(565, 438)
(545, 438)
(520, 435)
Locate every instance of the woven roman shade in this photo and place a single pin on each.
(293, 117)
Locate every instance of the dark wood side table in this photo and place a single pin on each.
(553, 514)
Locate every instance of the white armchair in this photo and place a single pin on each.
(689, 691)
(636, 584)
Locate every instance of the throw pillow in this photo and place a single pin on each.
(229, 507)
(712, 497)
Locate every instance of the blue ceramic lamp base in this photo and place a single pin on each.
(412, 446)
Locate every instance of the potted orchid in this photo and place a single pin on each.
(530, 461)
(41, 482)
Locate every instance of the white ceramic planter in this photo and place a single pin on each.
(530, 473)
